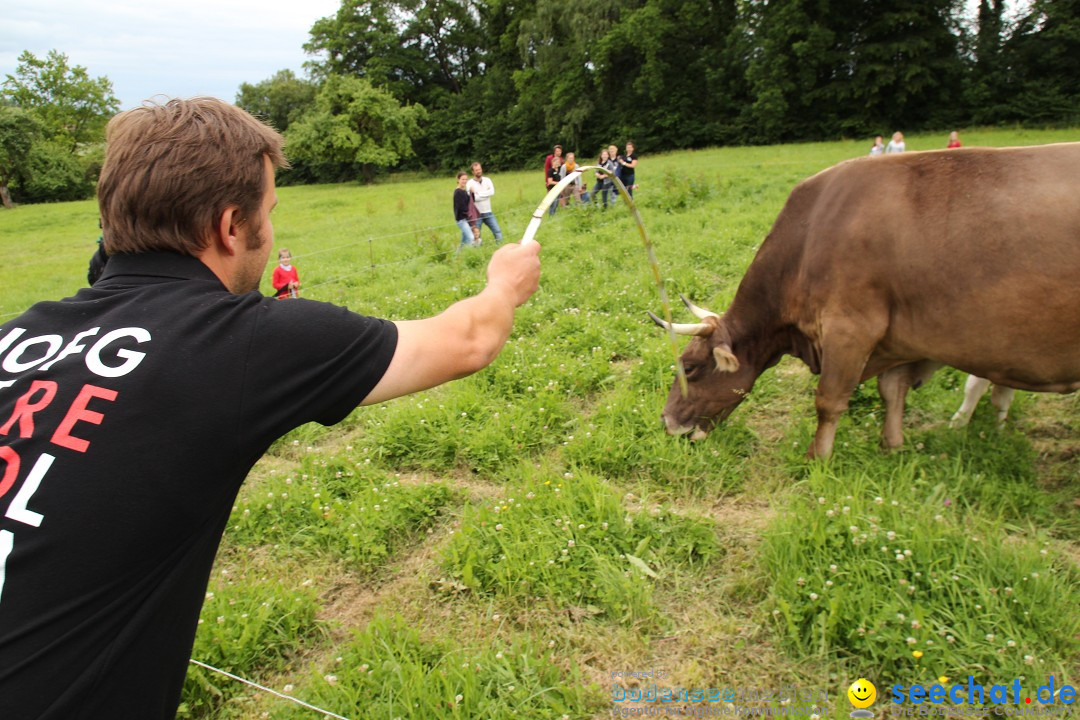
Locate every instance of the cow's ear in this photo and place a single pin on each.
(725, 359)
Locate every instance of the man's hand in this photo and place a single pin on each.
(468, 335)
(516, 268)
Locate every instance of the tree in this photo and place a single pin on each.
(280, 100)
(73, 106)
(19, 130)
(355, 123)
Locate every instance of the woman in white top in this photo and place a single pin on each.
(896, 145)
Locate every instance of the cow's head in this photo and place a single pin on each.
(717, 378)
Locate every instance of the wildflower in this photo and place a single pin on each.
(800, 582)
(915, 625)
(821, 501)
(1029, 660)
(832, 568)
(947, 502)
(917, 654)
(828, 583)
(943, 679)
(829, 513)
(814, 596)
(911, 641)
(950, 639)
(498, 655)
(879, 500)
(845, 510)
(330, 679)
(899, 557)
(990, 637)
(569, 543)
(1011, 643)
(498, 526)
(288, 688)
(458, 698)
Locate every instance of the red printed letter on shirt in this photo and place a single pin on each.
(24, 409)
(78, 412)
(11, 469)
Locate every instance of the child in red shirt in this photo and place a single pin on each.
(286, 280)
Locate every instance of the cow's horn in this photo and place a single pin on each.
(683, 328)
(699, 312)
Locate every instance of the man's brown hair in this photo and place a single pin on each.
(171, 170)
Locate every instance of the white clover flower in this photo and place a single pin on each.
(899, 557)
(915, 625)
(821, 501)
(829, 512)
(813, 596)
(832, 568)
(890, 535)
(1029, 660)
(879, 500)
(498, 526)
(569, 543)
(458, 698)
(845, 509)
(1011, 643)
(800, 582)
(990, 637)
(911, 641)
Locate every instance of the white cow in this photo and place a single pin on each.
(975, 388)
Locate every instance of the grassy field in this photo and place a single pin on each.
(520, 543)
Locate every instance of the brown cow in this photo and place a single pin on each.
(891, 267)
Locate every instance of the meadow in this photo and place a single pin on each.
(529, 543)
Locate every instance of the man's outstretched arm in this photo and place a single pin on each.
(465, 337)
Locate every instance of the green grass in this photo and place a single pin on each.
(390, 542)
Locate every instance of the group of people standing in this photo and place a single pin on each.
(472, 206)
(897, 145)
(613, 165)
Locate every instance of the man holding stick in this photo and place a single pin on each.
(131, 413)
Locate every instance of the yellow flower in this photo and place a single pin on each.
(916, 654)
(943, 679)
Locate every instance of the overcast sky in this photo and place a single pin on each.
(178, 48)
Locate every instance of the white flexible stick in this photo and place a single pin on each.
(552, 195)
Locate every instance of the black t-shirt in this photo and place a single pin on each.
(628, 171)
(461, 204)
(556, 174)
(129, 416)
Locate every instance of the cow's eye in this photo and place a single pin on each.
(692, 370)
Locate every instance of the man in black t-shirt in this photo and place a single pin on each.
(131, 412)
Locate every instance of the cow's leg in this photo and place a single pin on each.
(843, 359)
(893, 385)
(1001, 398)
(974, 388)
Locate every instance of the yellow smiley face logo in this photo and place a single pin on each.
(862, 693)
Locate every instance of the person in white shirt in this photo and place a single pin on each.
(896, 145)
(482, 189)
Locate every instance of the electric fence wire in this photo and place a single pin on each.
(327, 713)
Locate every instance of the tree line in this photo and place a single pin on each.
(433, 84)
